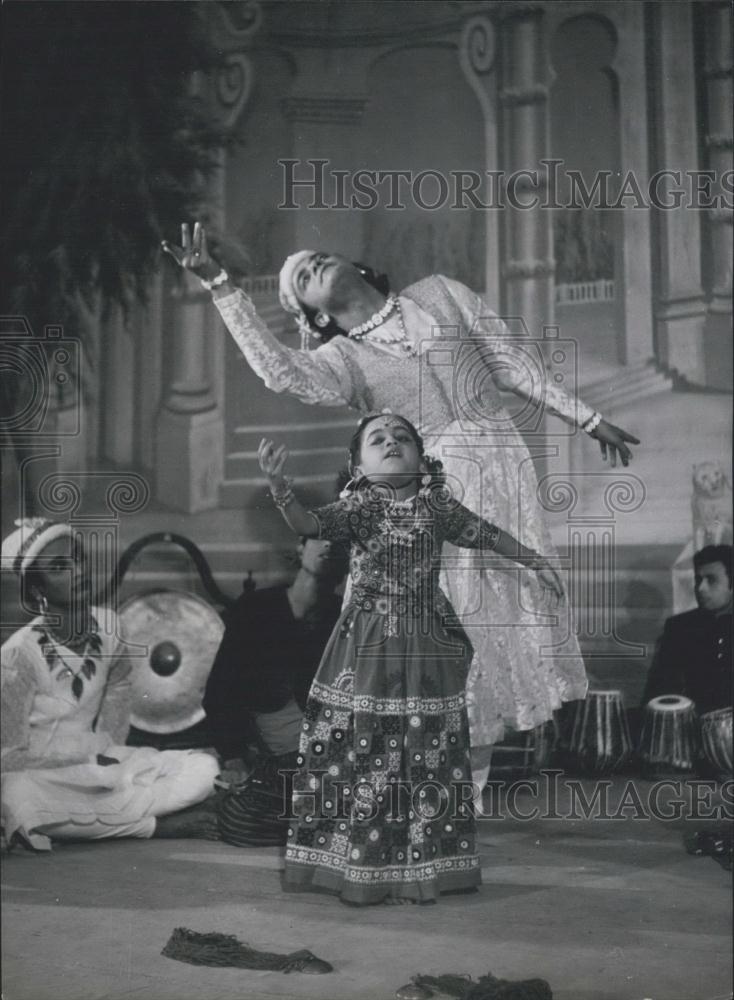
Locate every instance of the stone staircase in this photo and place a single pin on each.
(316, 436)
(626, 384)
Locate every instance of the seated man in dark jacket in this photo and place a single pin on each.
(258, 686)
(693, 655)
(272, 645)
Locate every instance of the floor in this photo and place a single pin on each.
(603, 909)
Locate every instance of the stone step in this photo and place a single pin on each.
(303, 462)
(313, 490)
(625, 384)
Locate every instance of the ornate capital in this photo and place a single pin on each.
(478, 45)
(325, 109)
(719, 141)
(513, 97)
(524, 269)
(238, 20)
(233, 85)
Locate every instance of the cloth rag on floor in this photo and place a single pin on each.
(216, 949)
(485, 988)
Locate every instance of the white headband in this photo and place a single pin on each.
(33, 534)
(287, 292)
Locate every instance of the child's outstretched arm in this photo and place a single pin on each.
(469, 530)
(509, 547)
(272, 461)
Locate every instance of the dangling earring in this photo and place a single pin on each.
(41, 601)
(322, 320)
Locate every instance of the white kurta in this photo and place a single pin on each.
(61, 712)
(527, 662)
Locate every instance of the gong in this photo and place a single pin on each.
(175, 637)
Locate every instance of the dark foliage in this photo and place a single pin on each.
(105, 148)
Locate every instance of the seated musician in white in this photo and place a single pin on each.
(66, 772)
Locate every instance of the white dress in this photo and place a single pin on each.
(526, 662)
(66, 770)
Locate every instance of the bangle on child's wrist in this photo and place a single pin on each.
(283, 493)
(216, 281)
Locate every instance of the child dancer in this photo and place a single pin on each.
(382, 798)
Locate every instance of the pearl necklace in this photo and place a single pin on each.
(392, 304)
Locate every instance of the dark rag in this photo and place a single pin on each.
(225, 950)
(487, 987)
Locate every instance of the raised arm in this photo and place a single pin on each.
(272, 462)
(318, 377)
(514, 376)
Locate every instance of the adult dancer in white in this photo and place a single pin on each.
(376, 354)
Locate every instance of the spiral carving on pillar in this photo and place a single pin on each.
(478, 43)
(233, 86)
(243, 17)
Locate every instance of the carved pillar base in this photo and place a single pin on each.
(680, 325)
(190, 460)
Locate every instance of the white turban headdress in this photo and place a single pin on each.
(287, 293)
(31, 536)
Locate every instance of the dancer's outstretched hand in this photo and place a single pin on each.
(612, 440)
(549, 578)
(193, 254)
(272, 460)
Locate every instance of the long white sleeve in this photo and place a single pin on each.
(510, 361)
(318, 377)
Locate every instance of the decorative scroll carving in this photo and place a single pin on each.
(233, 86)
(514, 97)
(325, 109)
(528, 268)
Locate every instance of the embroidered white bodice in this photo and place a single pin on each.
(464, 356)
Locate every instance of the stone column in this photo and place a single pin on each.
(529, 266)
(633, 276)
(325, 110)
(718, 77)
(190, 431)
(189, 459)
(681, 309)
(477, 56)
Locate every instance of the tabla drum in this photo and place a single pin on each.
(175, 637)
(716, 740)
(668, 736)
(520, 754)
(600, 741)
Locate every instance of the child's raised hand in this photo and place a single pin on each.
(272, 460)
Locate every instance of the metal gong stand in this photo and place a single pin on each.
(173, 637)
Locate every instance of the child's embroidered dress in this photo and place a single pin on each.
(383, 798)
